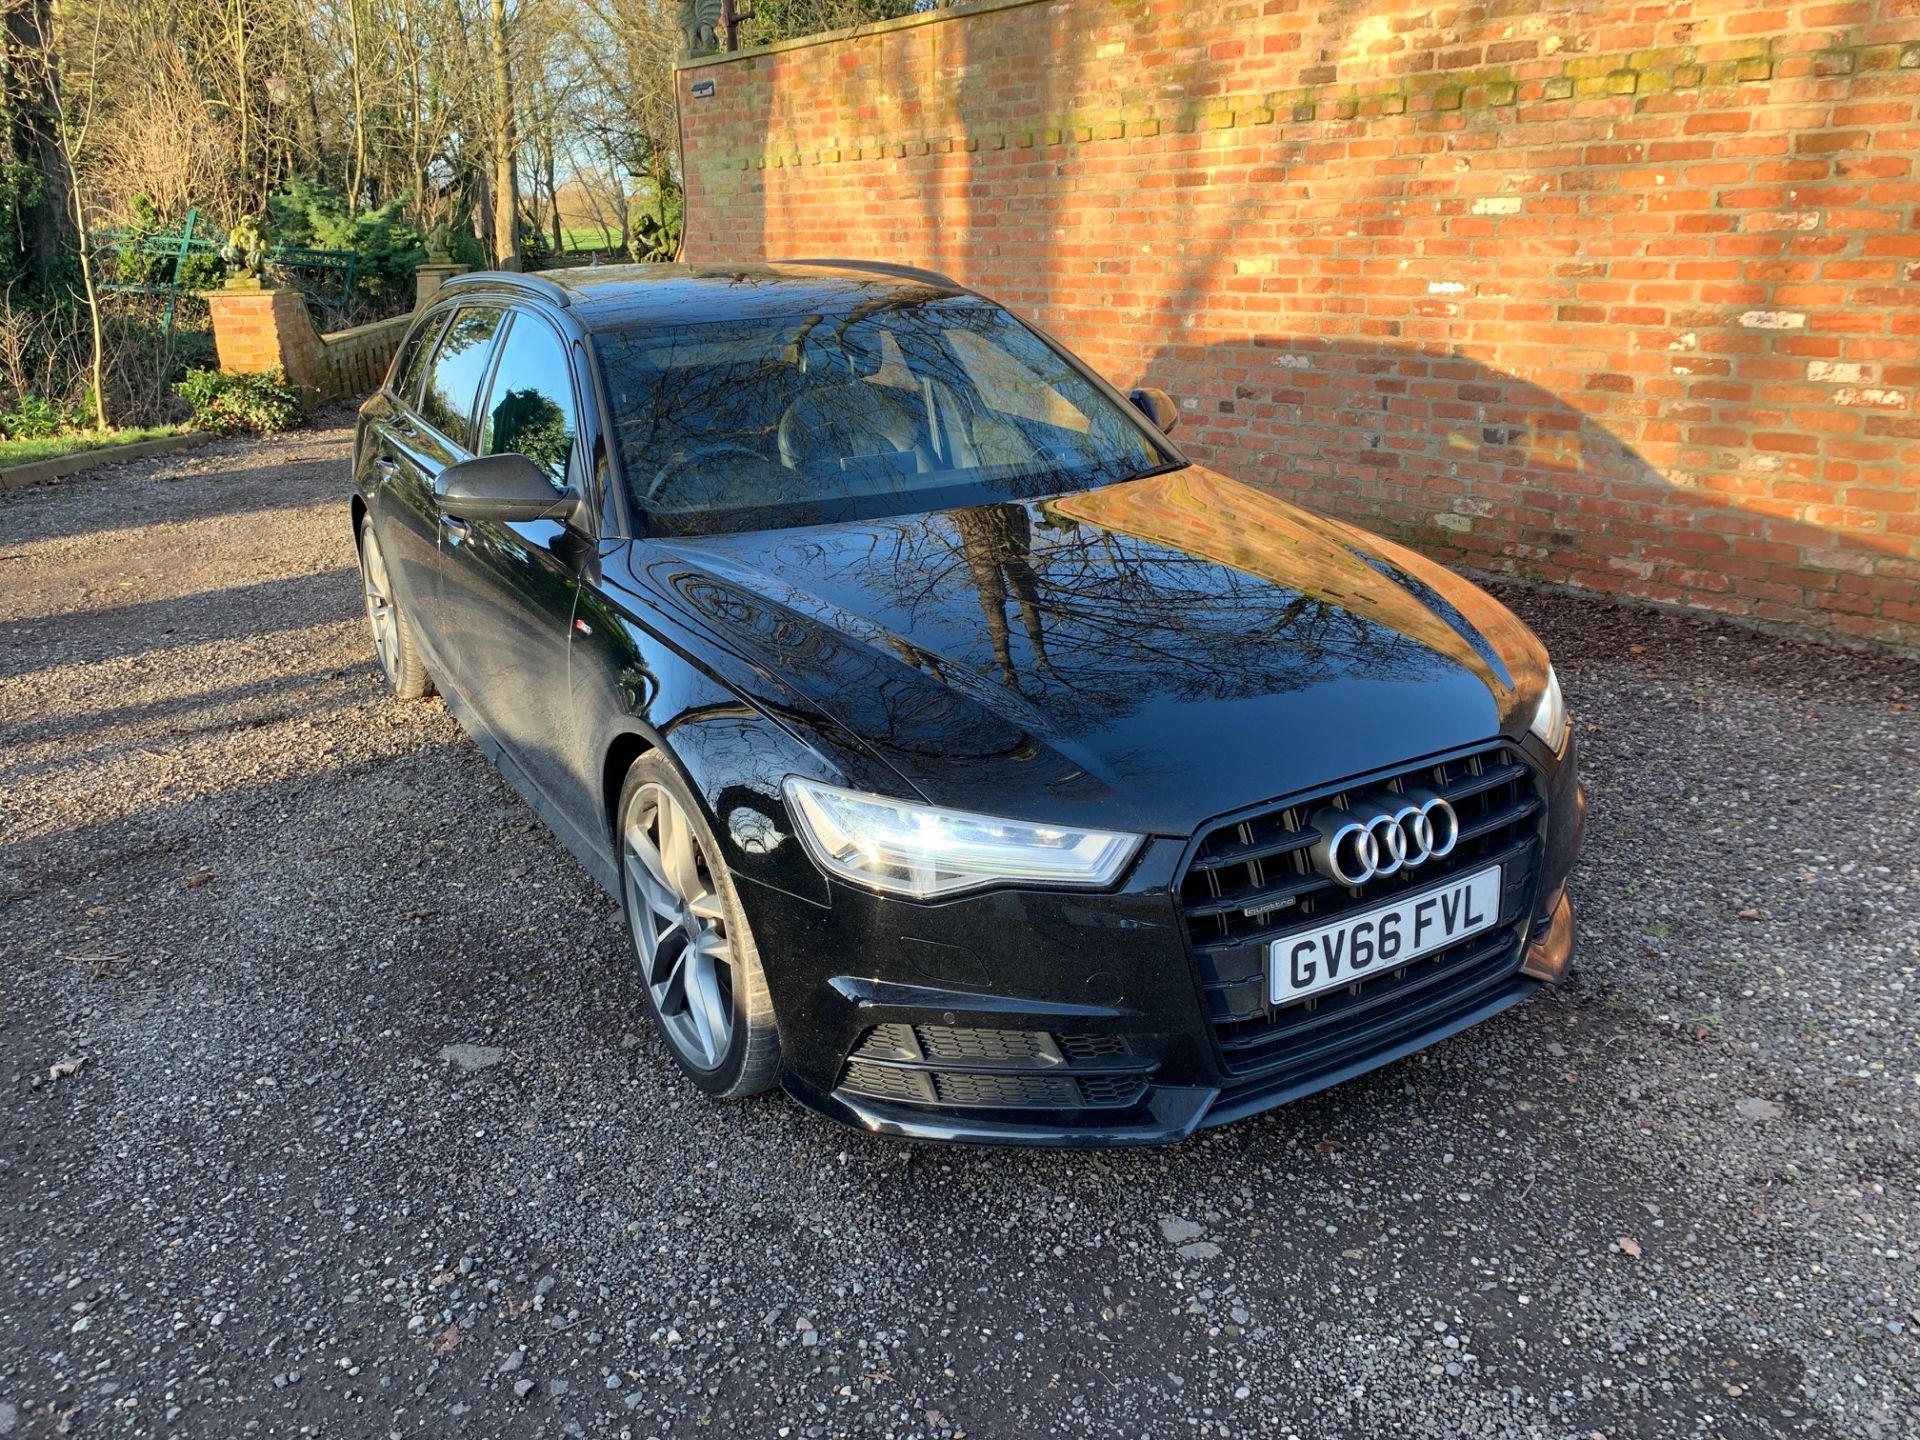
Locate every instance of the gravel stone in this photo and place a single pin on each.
(473, 1057)
(258, 898)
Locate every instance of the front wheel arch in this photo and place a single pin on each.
(626, 747)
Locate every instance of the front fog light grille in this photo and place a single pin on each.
(962, 1067)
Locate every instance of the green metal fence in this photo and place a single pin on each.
(326, 276)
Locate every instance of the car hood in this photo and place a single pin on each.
(1141, 656)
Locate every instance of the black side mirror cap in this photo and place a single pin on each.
(1157, 406)
(500, 487)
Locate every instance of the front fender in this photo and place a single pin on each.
(637, 687)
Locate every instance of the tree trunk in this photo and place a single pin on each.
(32, 106)
(101, 422)
(553, 185)
(506, 184)
(240, 33)
(359, 110)
(69, 139)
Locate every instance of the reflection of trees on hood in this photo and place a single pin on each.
(994, 543)
(1106, 619)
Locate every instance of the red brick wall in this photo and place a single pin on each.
(255, 331)
(1612, 294)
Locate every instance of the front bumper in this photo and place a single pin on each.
(1067, 1019)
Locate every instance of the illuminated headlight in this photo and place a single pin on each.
(925, 853)
(1550, 715)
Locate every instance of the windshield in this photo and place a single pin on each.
(900, 406)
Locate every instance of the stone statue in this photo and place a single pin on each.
(439, 241)
(700, 25)
(245, 252)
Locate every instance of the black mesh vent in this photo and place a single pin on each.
(1005, 1091)
(885, 1083)
(941, 1042)
(1091, 1047)
(1250, 882)
(1106, 1090)
(994, 1069)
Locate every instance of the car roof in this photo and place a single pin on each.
(612, 297)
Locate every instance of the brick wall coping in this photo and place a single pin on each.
(685, 60)
(372, 327)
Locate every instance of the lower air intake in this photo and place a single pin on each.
(958, 1067)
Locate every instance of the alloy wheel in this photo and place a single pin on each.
(381, 618)
(679, 928)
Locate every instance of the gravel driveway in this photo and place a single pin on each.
(330, 1107)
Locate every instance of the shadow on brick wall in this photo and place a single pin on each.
(1117, 202)
(1485, 470)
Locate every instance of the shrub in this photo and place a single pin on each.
(45, 353)
(386, 248)
(226, 403)
(202, 272)
(131, 264)
(33, 417)
(536, 250)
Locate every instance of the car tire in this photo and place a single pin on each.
(393, 643)
(698, 963)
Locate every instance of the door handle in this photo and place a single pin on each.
(385, 464)
(457, 530)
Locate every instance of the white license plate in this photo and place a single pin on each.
(1382, 939)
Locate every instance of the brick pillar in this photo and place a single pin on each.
(430, 276)
(256, 330)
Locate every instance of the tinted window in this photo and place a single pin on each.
(919, 402)
(413, 360)
(459, 365)
(530, 409)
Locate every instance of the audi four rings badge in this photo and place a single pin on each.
(1382, 835)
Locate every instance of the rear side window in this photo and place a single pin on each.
(459, 365)
(412, 363)
(530, 410)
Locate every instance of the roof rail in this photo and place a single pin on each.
(538, 285)
(902, 272)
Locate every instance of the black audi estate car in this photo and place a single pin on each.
(966, 760)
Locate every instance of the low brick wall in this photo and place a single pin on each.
(355, 361)
(1597, 293)
(259, 330)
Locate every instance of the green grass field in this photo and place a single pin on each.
(591, 237)
(25, 452)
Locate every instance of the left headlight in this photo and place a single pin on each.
(924, 852)
(1550, 715)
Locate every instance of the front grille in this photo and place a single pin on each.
(1250, 883)
(994, 1069)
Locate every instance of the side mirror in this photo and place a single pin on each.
(1158, 407)
(500, 487)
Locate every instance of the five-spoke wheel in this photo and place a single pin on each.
(393, 640)
(679, 928)
(697, 959)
